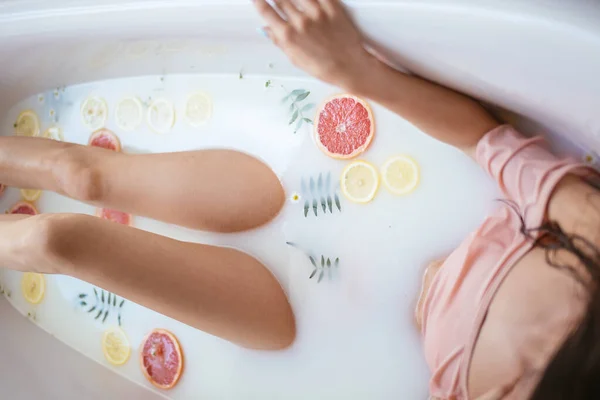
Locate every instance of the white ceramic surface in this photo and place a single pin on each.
(536, 58)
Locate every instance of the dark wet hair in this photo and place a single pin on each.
(574, 371)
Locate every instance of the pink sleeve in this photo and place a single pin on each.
(525, 169)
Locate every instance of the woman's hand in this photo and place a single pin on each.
(319, 37)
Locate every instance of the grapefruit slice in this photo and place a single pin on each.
(198, 109)
(114, 216)
(28, 124)
(360, 182)
(161, 116)
(115, 346)
(400, 175)
(161, 359)
(129, 114)
(31, 194)
(24, 208)
(94, 112)
(33, 287)
(105, 139)
(345, 126)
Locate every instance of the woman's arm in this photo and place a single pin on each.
(319, 37)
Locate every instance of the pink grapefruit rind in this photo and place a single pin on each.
(358, 150)
(176, 348)
(112, 138)
(23, 204)
(100, 214)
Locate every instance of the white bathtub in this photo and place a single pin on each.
(540, 59)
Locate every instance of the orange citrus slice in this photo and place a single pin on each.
(114, 216)
(28, 124)
(359, 182)
(129, 114)
(115, 346)
(198, 109)
(400, 175)
(161, 116)
(105, 139)
(54, 133)
(33, 287)
(94, 112)
(161, 359)
(31, 194)
(345, 126)
(23, 207)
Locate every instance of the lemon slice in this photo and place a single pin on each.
(31, 194)
(129, 114)
(115, 346)
(94, 112)
(28, 124)
(360, 182)
(198, 109)
(54, 133)
(161, 116)
(400, 174)
(33, 287)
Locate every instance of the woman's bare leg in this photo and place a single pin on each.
(221, 291)
(215, 190)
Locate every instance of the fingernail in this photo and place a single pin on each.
(262, 32)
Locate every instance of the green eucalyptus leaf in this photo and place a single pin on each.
(297, 92)
(105, 316)
(323, 204)
(330, 204)
(308, 120)
(303, 187)
(312, 261)
(320, 183)
(315, 207)
(328, 263)
(294, 117)
(337, 202)
(321, 276)
(292, 108)
(121, 304)
(313, 274)
(337, 262)
(299, 125)
(99, 314)
(91, 310)
(301, 97)
(306, 208)
(82, 303)
(307, 107)
(82, 296)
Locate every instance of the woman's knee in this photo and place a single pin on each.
(78, 174)
(255, 196)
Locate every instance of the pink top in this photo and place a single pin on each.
(462, 290)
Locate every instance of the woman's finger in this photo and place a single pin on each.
(311, 8)
(289, 9)
(271, 17)
(331, 6)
